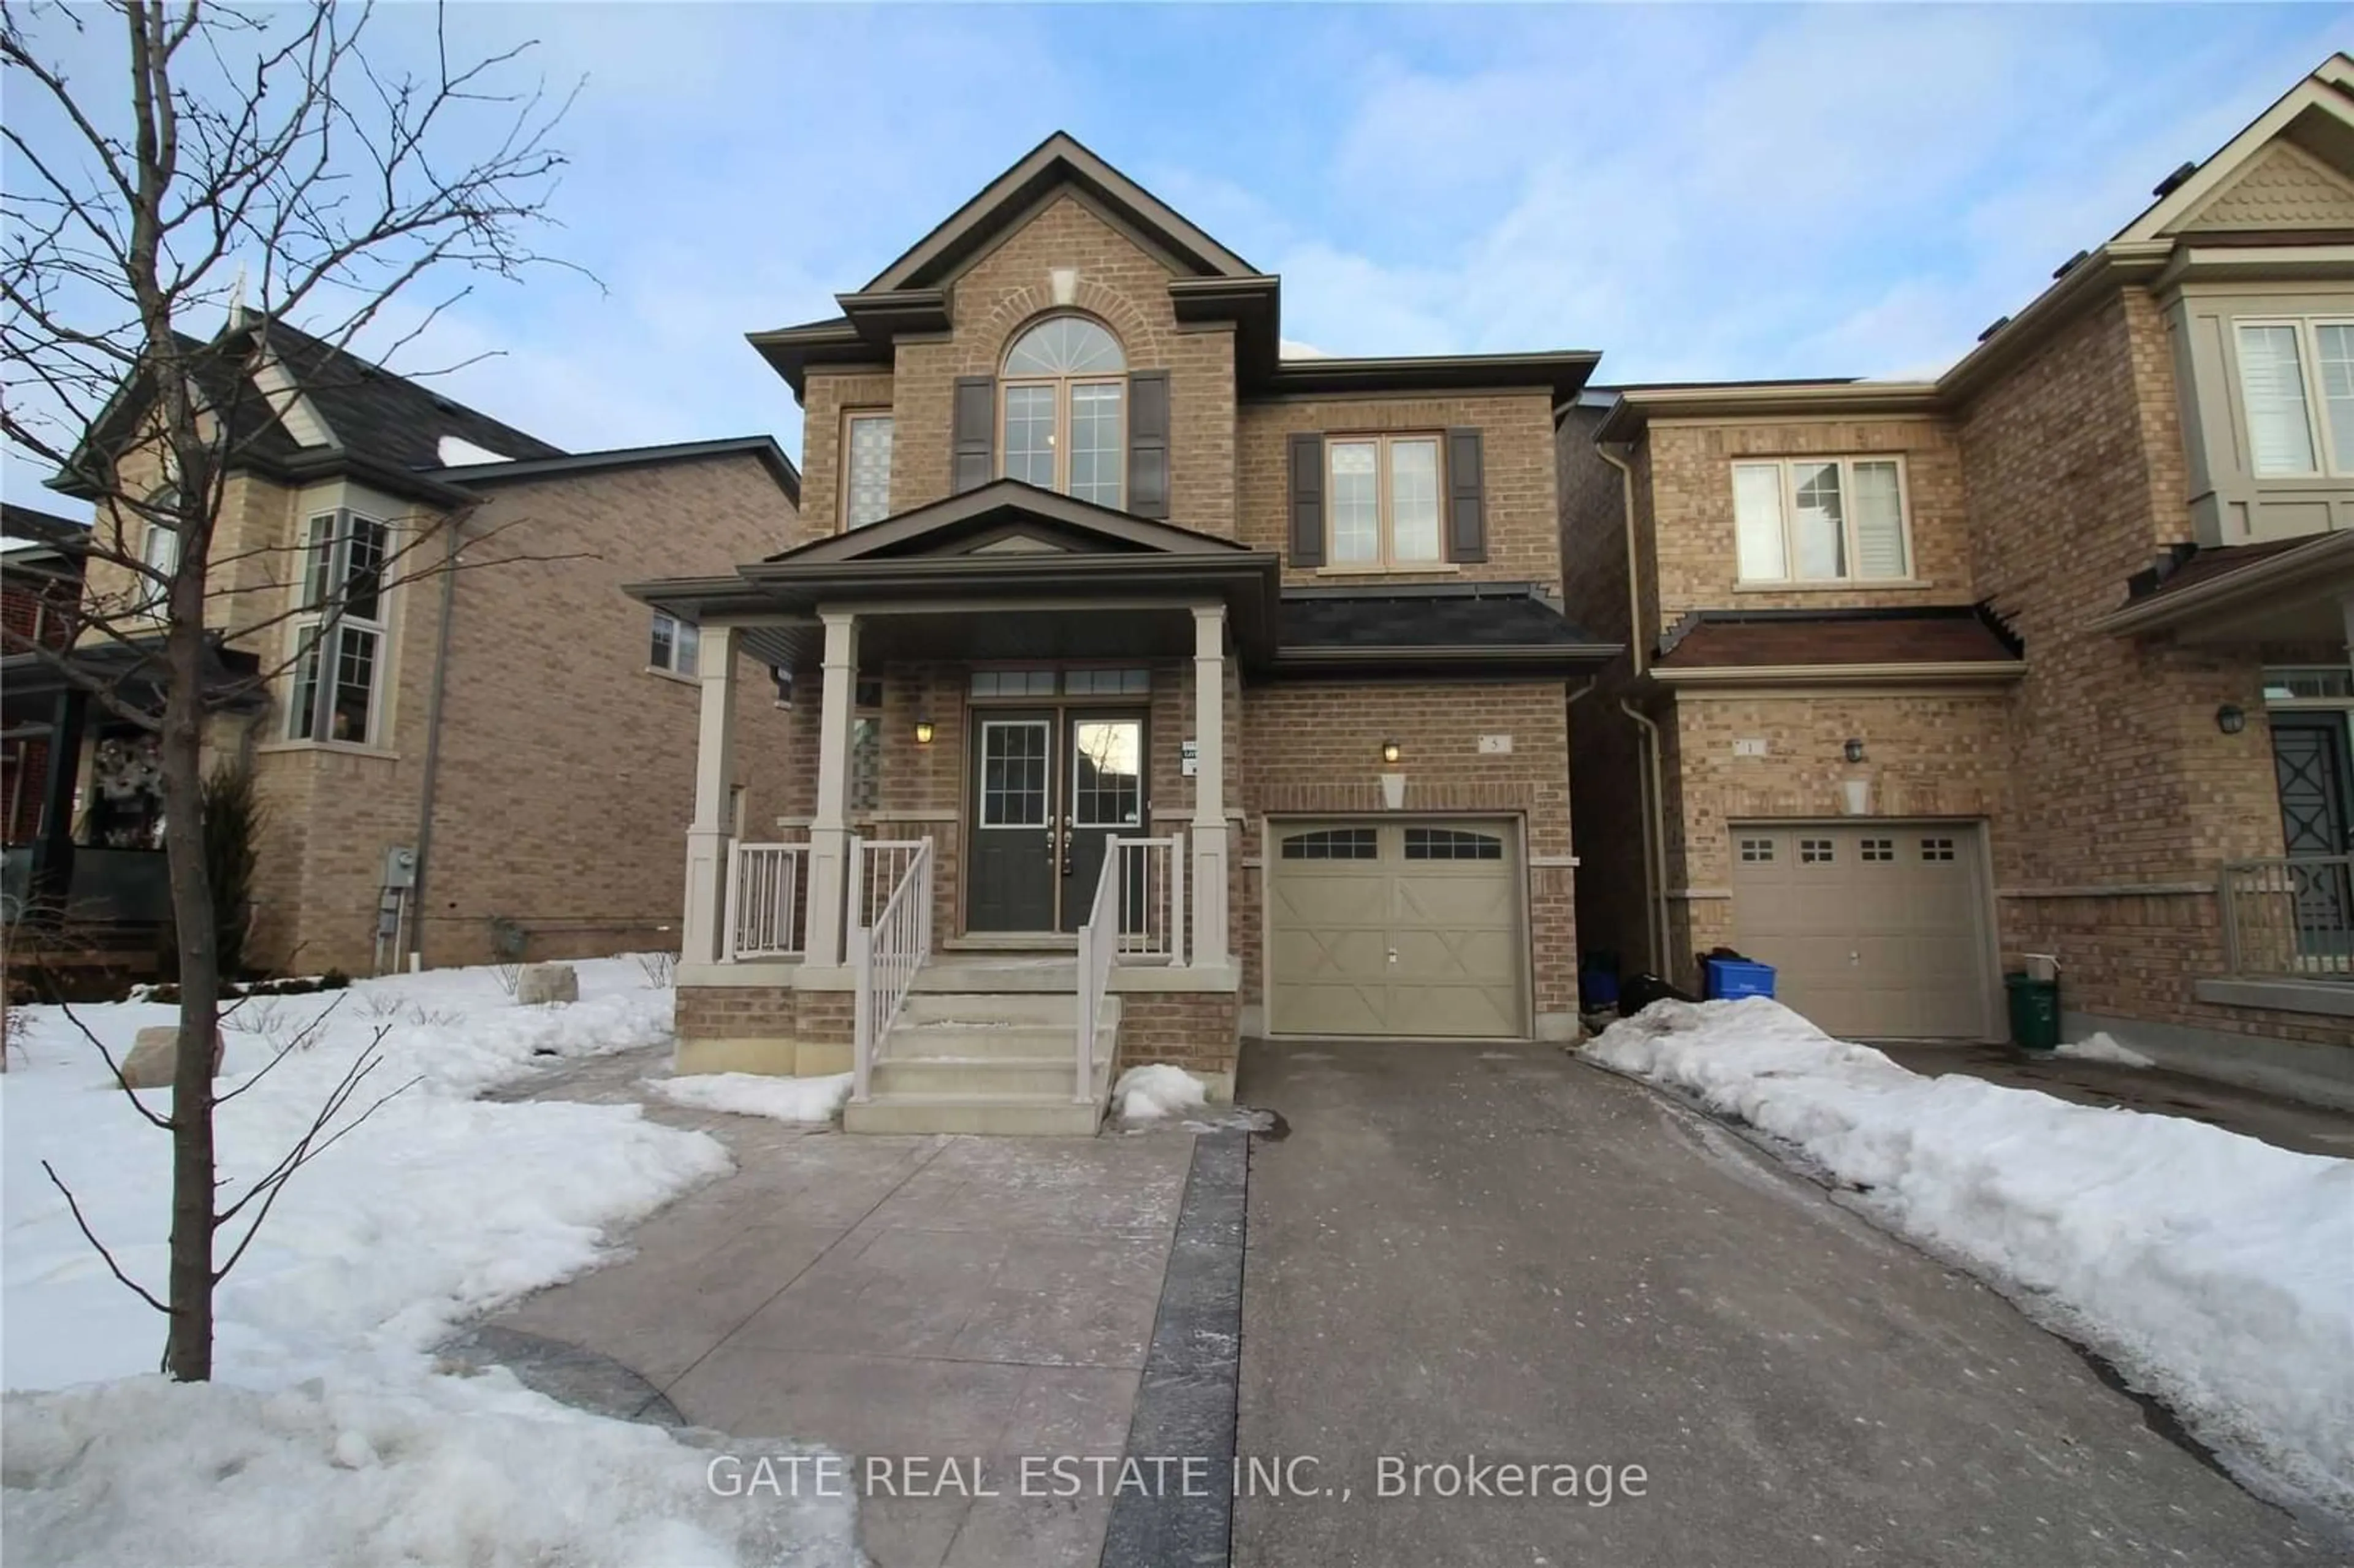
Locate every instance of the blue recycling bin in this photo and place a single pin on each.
(1731, 977)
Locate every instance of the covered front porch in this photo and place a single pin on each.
(1011, 863)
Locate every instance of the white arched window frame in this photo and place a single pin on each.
(1063, 409)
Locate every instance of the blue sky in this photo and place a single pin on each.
(1696, 192)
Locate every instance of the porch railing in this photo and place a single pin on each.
(884, 955)
(2292, 916)
(877, 868)
(1152, 900)
(1099, 945)
(767, 901)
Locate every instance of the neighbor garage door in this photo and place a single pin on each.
(1395, 929)
(1875, 932)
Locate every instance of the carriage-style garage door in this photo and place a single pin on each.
(1875, 932)
(1402, 929)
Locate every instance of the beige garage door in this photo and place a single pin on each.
(1876, 932)
(1385, 927)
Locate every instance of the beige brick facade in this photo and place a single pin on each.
(566, 764)
(2110, 795)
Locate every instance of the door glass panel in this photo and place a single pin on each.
(1013, 773)
(1106, 777)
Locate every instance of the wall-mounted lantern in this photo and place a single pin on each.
(1854, 750)
(1390, 752)
(2231, 718)
(923, 732)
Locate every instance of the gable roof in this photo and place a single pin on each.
(2316, 113)
(1059, 160)
(992, 511)
(355, 415)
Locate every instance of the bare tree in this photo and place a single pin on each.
(273, 165)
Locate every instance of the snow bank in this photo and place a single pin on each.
(328, 1436)
(757, 1094)
(2099, 1047)
(1156, 1090)
(433, 1469)
(2214, 1270)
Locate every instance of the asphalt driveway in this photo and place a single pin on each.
(1498, 1255)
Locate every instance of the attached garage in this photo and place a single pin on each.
(1417, 929)
(1877, 931)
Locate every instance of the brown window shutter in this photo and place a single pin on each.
(974, 459)
(1467, 505)
(1148, 443)
(1307, 499)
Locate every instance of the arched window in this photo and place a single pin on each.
(1065, 380)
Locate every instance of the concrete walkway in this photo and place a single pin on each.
(897, 1297)
(1498, 1253)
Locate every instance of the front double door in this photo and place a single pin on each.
(1051, 788)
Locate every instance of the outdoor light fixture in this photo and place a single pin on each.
(923, 732)
(1855, 751)
(2231, 718)
(1389, 751)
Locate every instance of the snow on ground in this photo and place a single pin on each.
(2215, 1271)
(1156, 1090)
(327, 1422)
(2101, 1047)
(755, 1094)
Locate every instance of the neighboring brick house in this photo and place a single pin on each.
(2049, 655)
(40, 589)
(1084, 559)
(498, 762)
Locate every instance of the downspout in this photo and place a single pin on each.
(1649, 768)
(433, 739)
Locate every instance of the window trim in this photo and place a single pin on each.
(327, 620)
(850, 420)
(1062, 386)
(672, 668)
(1788, 467)
(2321, 441)
(1385, 516)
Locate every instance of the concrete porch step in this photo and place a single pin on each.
(999, 1009)
(1004, 1115)
(977, 1042)
(978, 974)
(1044, 1077)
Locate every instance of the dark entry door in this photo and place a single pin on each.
(2310, 764)
(1105, 778)
(1014, 866)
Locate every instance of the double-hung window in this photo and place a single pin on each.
(1064, 399)
(2296, 385)
(677, 644)
(865, 468)
(159, 552)
(339, 631)
(1819, 520)
(1383, 500)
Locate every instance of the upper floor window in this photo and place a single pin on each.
(1820, 520)
(339, 631)
(1383, 499)
(159, 552)
(2289, 371)
(866, 469)
(677, 645)
(1065, 386)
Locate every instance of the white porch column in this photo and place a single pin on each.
(830, 829)
(1209, 835)
(709, 836)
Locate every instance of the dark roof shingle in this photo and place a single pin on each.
(1939, 634)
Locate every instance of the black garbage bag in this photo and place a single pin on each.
(1637, 993)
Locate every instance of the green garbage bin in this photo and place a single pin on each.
(2034, 1011)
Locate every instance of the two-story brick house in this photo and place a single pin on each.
(2046, 656)
(470, 743)
(1252, 668)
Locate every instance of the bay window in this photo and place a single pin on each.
(1383, 505)
(2297, 388)
(1818, 520)
(339, 631)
